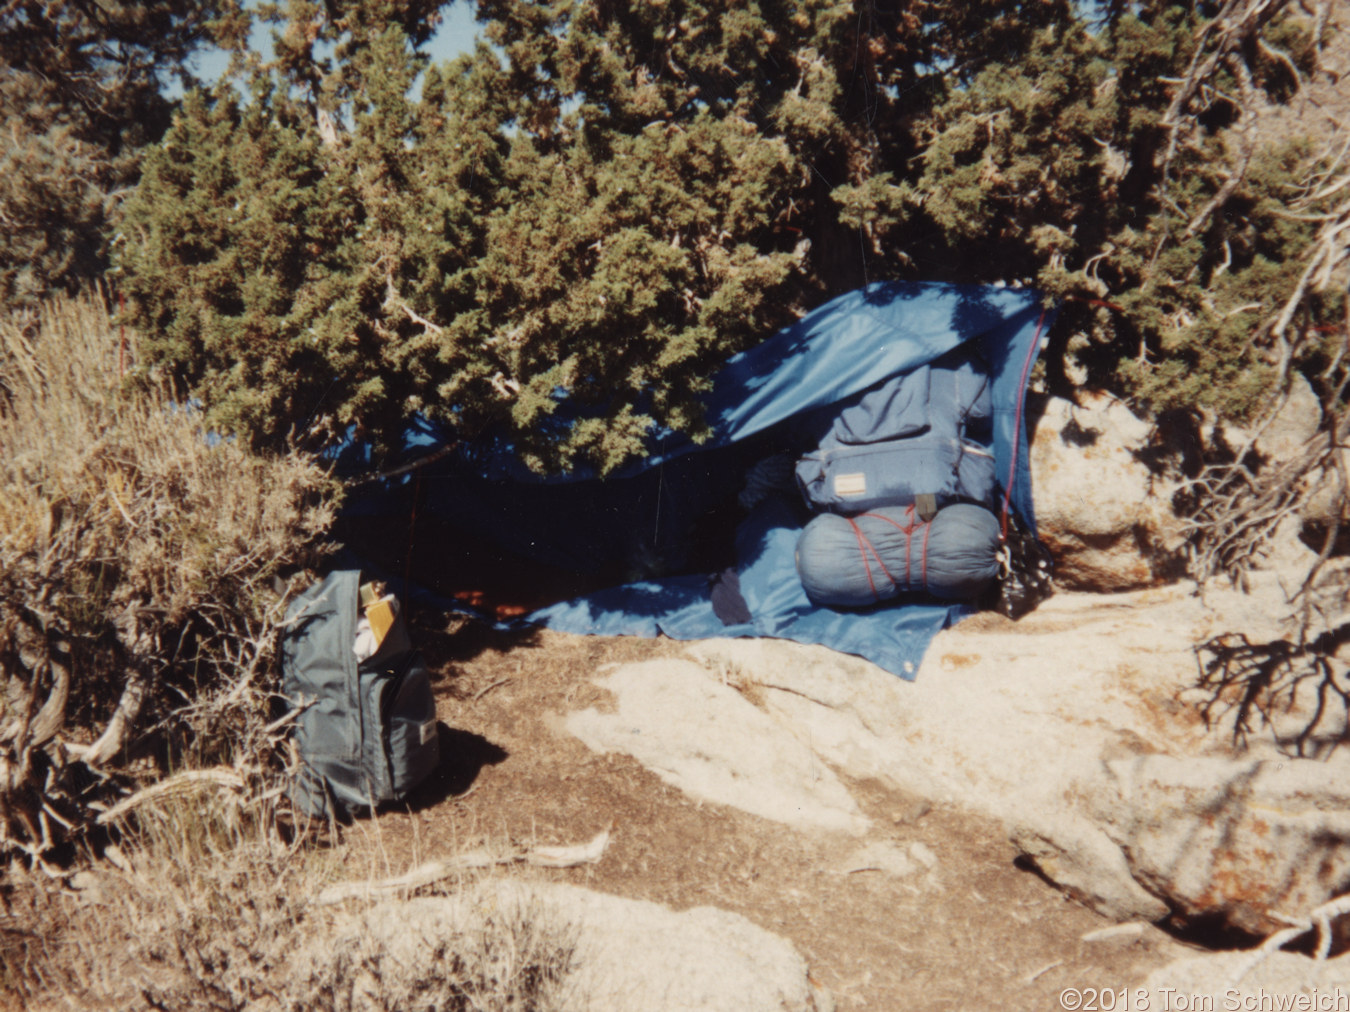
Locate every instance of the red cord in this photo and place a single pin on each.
(907, 531)
(878, 516)
(927, 530)
(863, 545)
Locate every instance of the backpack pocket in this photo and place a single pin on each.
(412, 747)
(854, 479)
(976, 476)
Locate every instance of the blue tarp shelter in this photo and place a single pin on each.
(778, 396)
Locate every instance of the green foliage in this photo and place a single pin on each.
(80, 94)
(599, 212)
(603, 205)
(1063, 168)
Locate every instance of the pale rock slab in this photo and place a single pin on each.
(629, 954)
(702, 736)
(1233, 981)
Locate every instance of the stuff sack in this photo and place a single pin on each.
(878, 555)
(925, 432)
(370, 735)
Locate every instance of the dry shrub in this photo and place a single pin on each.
(143, 572)
(503, 955)
(202, 904)
(210, 910)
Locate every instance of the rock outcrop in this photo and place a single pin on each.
(1104, 484)
(1080, 727)
(1103, 514)
(1244, 842)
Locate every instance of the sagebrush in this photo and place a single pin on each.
(144, 566)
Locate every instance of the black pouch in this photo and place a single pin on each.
(1026, 570)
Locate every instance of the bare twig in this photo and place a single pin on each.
(440, 453)
(488, 688)
(114, 736)
(1319, 919)
(179, 783)
(1037, 974)
(482, 857)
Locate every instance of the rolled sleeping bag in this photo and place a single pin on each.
(877, 555)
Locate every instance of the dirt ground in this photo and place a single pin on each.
(976, 931)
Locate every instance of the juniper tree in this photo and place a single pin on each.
(81, 92)
(1100, 168)
(596, 212)
(590, 214)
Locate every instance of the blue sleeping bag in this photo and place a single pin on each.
(878, 555)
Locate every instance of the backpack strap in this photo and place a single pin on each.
(1017, 425)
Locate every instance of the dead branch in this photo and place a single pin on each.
(1235, 510)
(52, 716)
(1236, 22)
(114, 736)
(1319, 920)
(481, 857)
(397, 472)
(179, 784)
(488, 688)
(1247, 133)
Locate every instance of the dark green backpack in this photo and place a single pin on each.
(370, 735)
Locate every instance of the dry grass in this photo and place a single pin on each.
(208, 909)
(143, 569)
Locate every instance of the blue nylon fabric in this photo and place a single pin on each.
(838, 351)
(849, 344)
(893, 636)
(852, 343)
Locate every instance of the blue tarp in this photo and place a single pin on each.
(783, 393)
(842, 349)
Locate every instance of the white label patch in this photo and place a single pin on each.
(847, 486)
(426, 731)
